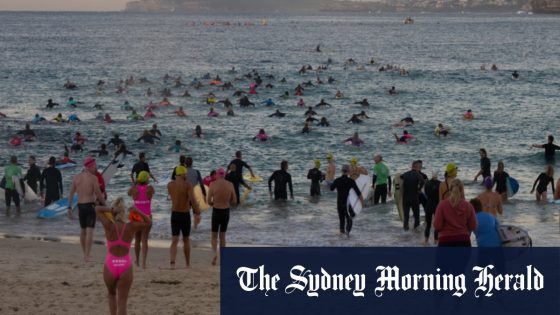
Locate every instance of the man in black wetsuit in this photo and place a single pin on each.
(278, 113)
(316, 177)
(116, 141)
(155, 131)
(140, 166)
(549, 149)
(412, 185)
(343, 184)
(51, 181)
(27, 133)
(484, 165)
(281, 179)
(238, 172)
(310, 111)
(33, 175)
(364, 102)
(50, 104)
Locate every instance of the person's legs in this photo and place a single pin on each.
(187, 250)
(383, 193)
(8, 198)
(83, 240)
(145, 237)
(214, 243)
(123, 288)
(89, 242)
(111, 285)
(137, 241)
(342, 219)
(15, 197)
(416, 212)
(428, 225)
(348, 224)
(406, 214)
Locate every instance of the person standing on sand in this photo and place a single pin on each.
(221, 196)
(117, 273)
(10, 191)
(142, 193)
(491, 201)
(343, 184)
(182, 198)
(86, 185)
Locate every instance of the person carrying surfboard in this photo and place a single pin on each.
(10, 191)
(33, 174)
(343, 184)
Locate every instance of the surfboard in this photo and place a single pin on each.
(200, 199)
(112, 168)
(56, 208)
(397, 194)
(512, 186)
(251, 179)
(17, 183)
(64, 166)
(246, 197)
(513, 236)
(30, 195)
(363, 182)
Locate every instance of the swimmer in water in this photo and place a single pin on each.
(355, 120)
(515, 75)
(338, 94)
(407, 121)
(363, 102)
(393, 91)
(354, 140)
(301, 103)
(268, 102)
(198, 132)
(102, 151)
(227, 103)
(50, 104)
(107, 119)
(277, 113)
(27, 133)
(322, 104)
(73, 118)
(310, 119)
(441, 130)
(362, 115)
(324, 122)
(544, 179)
(494, 67)
(212, 113)
(36, 119)
(179, 112)
(310, 111)
(230, 112)
(155, 131)
(404, 138)
(468, 114)
(306, 127)
(261, 136)
(177, 147)
(148, 138)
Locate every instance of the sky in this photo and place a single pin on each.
(62, 5)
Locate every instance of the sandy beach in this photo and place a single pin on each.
(41, 277)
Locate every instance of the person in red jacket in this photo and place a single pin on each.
(455, 218)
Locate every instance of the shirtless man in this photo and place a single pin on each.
(331, 170)
(182, 198)
(491, 201)
(86, 185)
(221, 196)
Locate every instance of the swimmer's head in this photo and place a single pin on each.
(180, 170)
(354, 161)
(488, 183)
(143, 177)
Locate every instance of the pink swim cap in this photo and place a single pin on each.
(220, 172)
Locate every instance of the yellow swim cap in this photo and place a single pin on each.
(317, 162)
(143, 177)
(180, 170)
(354, 161)
(451, 170)
(329, 156)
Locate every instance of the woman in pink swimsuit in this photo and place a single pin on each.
(117, 272)
(142, 194)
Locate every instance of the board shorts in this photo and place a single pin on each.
(11, 194)
(181, 223)
(86, 214)
(220, 220)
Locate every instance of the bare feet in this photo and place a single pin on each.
(214, 260)
(172, 265)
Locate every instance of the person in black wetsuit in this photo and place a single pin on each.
(121, 149)
(233, 178)
(310, 119)
(281, 179)
(147, 137)
(355, 120)
(102, 150)
(51, 183)
(115, 141)
(140, 166)
(244, 102)
(277, 113)
(431, 189)
(33, 175)
(543, 180)
(50, 104)
(484, 165)
(411, 186)
(316, 177)
(362, 115)
(226, 102)
(324, 122)
(27, 133)
(549, 149)
(322, 103)
(500, 180)
(310, 111)
(238, 171)
(363, 102)
(155, 131)
(343, 184)
(393, 91)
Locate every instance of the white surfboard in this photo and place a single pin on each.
(112, 168)
(364, 184)
(397, 194)
(513, 236)
(30, 195)
(17, 184)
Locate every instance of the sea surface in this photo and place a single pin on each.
(443, 54)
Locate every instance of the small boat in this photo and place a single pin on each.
(408, 20)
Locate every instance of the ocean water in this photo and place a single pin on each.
(442, 52)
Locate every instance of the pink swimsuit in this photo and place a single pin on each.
(115, 264)
(142, 202)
